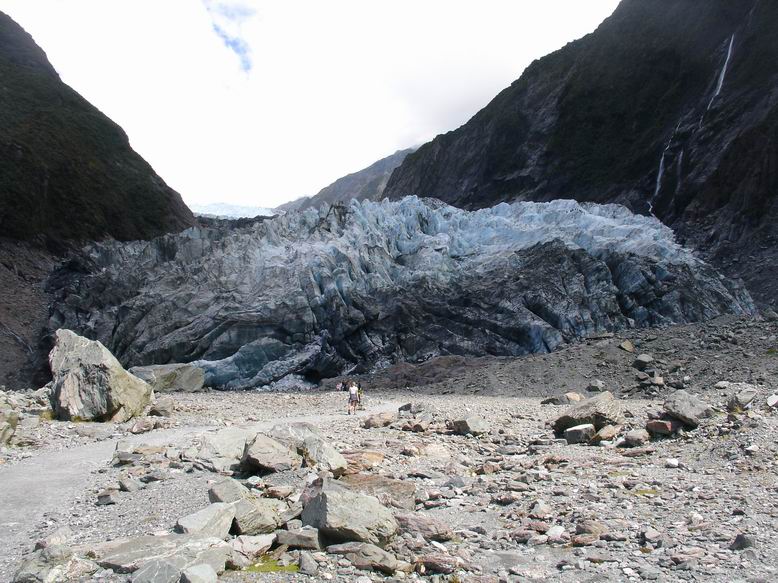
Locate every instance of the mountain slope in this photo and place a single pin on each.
(365, 184)
(66, 170)
(669, 107)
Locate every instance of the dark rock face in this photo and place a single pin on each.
(366, 184)
(66, 170)
(668, 107)
(340, 289)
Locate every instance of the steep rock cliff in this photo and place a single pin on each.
(67, 172)
(670, 107)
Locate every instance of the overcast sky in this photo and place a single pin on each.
(257, 102)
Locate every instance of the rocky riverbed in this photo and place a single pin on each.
(429, 482)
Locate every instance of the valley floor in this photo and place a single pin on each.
(522, 505)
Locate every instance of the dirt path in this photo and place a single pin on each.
(50, 481)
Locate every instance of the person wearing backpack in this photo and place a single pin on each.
(353, 398)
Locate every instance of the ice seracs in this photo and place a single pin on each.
(355, 287)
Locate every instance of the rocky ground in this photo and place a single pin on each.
(471, 483)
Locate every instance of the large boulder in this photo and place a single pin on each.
(687, 408)
(90, 384)
(255, 516)
(599, 411)
(222, 450)
(166, 378)
(214, 520)
(265, 454)
(319, 454)
(54, 563)
(9, 419)
(342, 515)
(309, 443)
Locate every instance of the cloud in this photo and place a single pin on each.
(227, 20)
(289, 95)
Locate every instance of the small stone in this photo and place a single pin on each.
(772, 401)
(672, 463)
(472, 425)
(379, 420)
(627, 346)
(555, 533)
(741, 542)
(596, 386)
(579, 433)
(663, 427)
(540, 510)
(308, 565)
(607, 433)
(743, 398)
(651, 535)
(636, 438)
(142, 425)
(107, 497)
(164, 407)
(129, 484)
(643, 361)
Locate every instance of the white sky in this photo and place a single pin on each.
(258, 102)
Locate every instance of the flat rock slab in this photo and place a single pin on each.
(130, 554)
(390, 491)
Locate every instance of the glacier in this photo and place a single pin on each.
(355, 287)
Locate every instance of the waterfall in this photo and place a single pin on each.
(720, 82)
(679, 169)
(661, 172)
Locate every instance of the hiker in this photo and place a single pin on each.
(360, 394)
(353, 398)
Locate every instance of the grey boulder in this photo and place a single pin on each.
(166, 378)
(319, 454)
(199, 574)
(599, 411)
(687, 408)
(89, 384)
(212, 521)
(53, 564)
(255, 516)
(343, 515)
(472, 425)
(130, 554)
(265, 454)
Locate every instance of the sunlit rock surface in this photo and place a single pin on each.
(350, 288)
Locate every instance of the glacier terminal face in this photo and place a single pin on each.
(351, 288)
